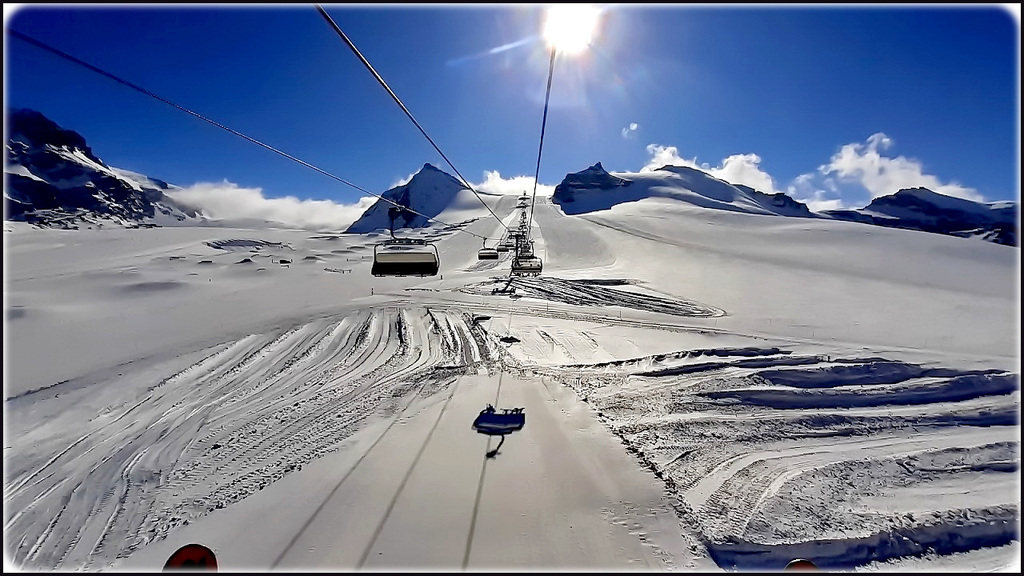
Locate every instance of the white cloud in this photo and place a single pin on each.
(818, 203)
(805, 189)
(666, 156)
(736, 169)
(629, 132)
(494, 184)
(402, 181)
(808, 188)
(882, 175)
(744, 169)
(227, 201)
(857, 168)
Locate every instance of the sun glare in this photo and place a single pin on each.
(569, 28)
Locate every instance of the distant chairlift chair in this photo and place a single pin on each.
(531, 266)
(486, 253)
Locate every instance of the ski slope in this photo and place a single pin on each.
(704, 390)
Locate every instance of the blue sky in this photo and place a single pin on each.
(833, 105)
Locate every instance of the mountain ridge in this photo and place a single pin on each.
(429, 192)
(921, 209)
(53, 179)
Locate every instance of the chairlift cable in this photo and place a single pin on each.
(366, 63)
(137, 88)
(115, 78)
(536, 176)
(543, 125)
(394, 96)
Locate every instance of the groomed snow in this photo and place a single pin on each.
(704, 390)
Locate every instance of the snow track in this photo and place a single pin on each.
(843, 449)
(244, 416)
(689, 418)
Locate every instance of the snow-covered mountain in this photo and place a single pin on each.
(708, 390)
(430, 192)
(923, 209)
(53, 179)
(589, 180)
(595, 189)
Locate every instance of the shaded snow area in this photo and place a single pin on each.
(704, 390)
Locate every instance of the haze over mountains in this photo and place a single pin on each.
(54, 179)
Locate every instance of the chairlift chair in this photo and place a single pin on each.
(486, 253)
(527, 266)
(405, 257)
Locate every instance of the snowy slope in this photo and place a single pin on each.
(707, 387)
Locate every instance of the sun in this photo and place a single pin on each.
(569, 28)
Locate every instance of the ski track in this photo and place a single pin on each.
(761, 486)
(763, 448)
(239, 419)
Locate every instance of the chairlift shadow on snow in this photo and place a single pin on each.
(493, 422)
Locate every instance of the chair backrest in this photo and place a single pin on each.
(524, 266)
(405, 257)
